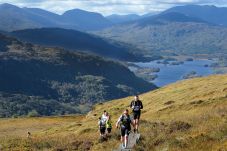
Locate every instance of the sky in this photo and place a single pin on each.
(108, 7)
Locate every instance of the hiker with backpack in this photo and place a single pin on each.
(125, 126)
(136, 106)
(102, 128)
(106, 118)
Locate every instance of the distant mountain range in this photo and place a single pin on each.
(189, 29)
(212, 14)
(166, 18)
(15, 18)
(55, 81)
(117, 19)
(84, 20)
(171, 33)
(79, 41)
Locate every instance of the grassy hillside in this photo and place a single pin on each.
(51, 81)
(187, 116)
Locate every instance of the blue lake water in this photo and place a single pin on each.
(172, 73)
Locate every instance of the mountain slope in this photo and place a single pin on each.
(117, 19)
(212, 14)
(85, 20)
(166, 18)
(172, 33)
(186, 116)
(10, 14)
(54, 81)
(55, 18)
(78, 41)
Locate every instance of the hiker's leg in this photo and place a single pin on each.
(134, 117)
(134, 122)
(109, 131)
(137, 120)
(126, 140)
(137, 124)
(105, 132)
(100, 131)
(122, 135)
(126, 137)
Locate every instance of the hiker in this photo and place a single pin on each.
(106, 117)
(102, 128)
(108, 126)
(29, 134)
(136, 106)
(125, 126)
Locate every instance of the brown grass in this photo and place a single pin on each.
(190, 115)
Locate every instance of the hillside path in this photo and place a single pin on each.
(132, 140)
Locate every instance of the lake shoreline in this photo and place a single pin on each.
(170, 70)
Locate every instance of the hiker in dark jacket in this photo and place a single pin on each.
(136, 106)
(125, 126)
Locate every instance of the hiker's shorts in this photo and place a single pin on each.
(109, 130)
(136, 115)
(125, 131)
(102, 130)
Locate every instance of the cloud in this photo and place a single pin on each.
(108, 7)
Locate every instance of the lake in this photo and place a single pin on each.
(172, 73)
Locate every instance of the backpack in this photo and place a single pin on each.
(102, 123)
(125, 121)
(104, 118)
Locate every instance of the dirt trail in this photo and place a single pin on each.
(132, 140)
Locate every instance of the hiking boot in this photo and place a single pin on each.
(123, 146)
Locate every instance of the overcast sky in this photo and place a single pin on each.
(107, 7)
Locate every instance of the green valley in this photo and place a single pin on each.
(52, 81)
